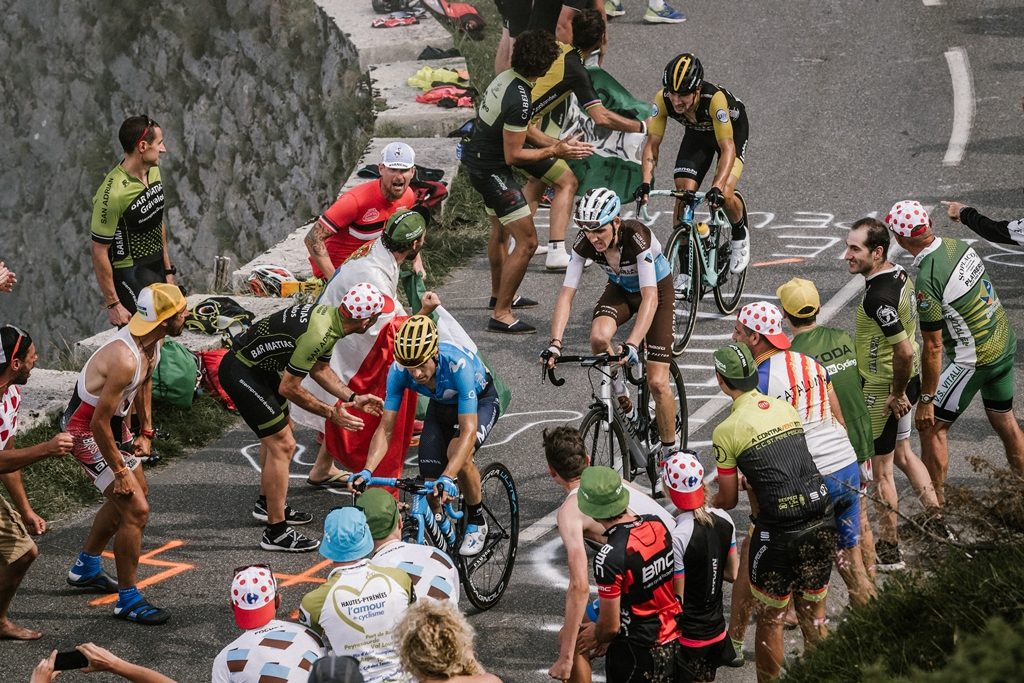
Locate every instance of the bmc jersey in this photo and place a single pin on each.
(835, 350)
(701, 553)
(357, 609)
(293, 339)
(567, 76)
(636, 567)
(886, 316)
(640, 264)
(460, 379)
(280, 651)
(506, 105)
(128, 216)
(955, 295)
(764, 438)
(717, 111)
(358, 216)
(805, 384)
(433, 573)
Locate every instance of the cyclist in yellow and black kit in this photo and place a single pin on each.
(716, 123)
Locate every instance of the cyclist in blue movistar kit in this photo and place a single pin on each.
(639, 283)
(462, 410)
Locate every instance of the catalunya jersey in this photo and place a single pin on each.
(128, 216)
(459, 380)
(640, 263)
(280, 651)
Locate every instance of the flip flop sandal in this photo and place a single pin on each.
(337, 481)
(141, 612)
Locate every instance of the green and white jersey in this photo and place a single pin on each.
(955, 295)
(886, 316)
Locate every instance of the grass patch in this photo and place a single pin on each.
(58, 486)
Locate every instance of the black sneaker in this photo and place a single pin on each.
(888, 557)
(287, 541)
(294, 517)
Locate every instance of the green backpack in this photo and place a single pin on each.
(177, 375)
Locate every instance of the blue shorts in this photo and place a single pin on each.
(441, 425)
(844, 488)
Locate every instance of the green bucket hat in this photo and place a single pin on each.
(601, 494)
(405, 226)
(381, 512)
(736, 364)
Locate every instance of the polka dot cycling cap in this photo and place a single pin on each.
(765, 319)
(908, 218)
(252, 596)
(683, 477)
(365, 301)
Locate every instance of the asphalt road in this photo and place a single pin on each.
(852, 107)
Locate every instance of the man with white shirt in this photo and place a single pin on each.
(269, 648)
(567, 458)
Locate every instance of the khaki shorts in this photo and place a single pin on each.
(15, 540)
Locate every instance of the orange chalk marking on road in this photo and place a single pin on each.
(776, 262)
(308, 576)
(149, 559)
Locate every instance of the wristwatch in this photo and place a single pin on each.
(927, 398)
(171, 271)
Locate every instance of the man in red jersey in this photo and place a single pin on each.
(358, 216)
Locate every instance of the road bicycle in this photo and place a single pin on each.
(699, 264)
(630, 447)
(484, 576)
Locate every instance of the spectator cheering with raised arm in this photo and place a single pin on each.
(997, 232)
(7, 278)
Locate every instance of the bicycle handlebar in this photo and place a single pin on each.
(601, 359)
(417, 486)
(685, 195)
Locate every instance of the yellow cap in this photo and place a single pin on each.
(799, 298)
(155, 304)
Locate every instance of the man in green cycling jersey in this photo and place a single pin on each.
(129, 234)
(959, 309)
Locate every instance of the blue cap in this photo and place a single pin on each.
(346, 535)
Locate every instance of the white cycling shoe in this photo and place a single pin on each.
(739, 258)
(474, 540)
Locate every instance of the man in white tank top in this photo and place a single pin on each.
(567, 458)
(117, 374)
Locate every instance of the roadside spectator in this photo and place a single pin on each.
(639, 612)
(435, 645)
(100, 659)
(129, 234)
(359, 605)
(567, 457)
(958, 308)
(658, 12)
(997, 232)
(358, 215)
(17, 550)
(269, 647)
(8, 278)
(704, 548)
(118, 373)
(336, 669)
(433, 573)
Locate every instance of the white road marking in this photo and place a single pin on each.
(566, 416)
(963, 105)
(931, 3)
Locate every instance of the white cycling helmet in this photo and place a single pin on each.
(598, 207)
(266, 280)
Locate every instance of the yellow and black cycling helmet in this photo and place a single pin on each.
(416, 341)
(683, 74)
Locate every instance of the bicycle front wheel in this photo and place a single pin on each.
(485, 576)
(685, 271)
(605, 442)
(730, 285)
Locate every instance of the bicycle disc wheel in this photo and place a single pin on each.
(605, 442)
(730, 285)
(683, 260)
(485, 576)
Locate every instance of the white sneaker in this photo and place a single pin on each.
(681, 284)
(614, 8)
(740, 256)
(474, 540)
(556, 259)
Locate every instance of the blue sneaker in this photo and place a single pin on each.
(614, 8)
(100, 582)
(667, 15)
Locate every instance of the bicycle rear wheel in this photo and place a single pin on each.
(605, 442)
(730, 285)
(685, 272)
(485, 576)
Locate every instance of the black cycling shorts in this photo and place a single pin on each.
(891, 432)
(503, 195)
(515, 15)
(793, 561)
(698, 149)
(441, 425)
(627, 662)
(620, 305)
(255, 393)
(128, 282)
(700, 663)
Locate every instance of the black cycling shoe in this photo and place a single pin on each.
(259, 513)
(517, 327)
(287, 541)
(517, 302)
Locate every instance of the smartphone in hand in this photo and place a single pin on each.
(69, 661)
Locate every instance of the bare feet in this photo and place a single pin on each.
(11, 631)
